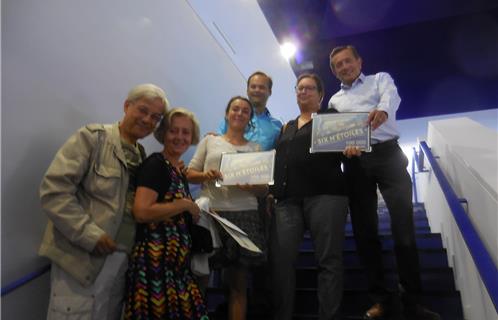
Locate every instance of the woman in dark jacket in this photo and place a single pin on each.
(310, 194)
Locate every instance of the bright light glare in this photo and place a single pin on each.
(288, 50)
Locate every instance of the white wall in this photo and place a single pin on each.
(415, 130)
(68, 63)
(241, 30)
(470, 163)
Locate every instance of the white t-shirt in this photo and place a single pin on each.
(208, 156)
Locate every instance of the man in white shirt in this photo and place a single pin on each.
(385, 168)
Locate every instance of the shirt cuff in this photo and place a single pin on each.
(92, 234)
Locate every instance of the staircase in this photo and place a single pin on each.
(440, 294)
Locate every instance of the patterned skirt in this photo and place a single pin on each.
(160, 284)
(231, 253)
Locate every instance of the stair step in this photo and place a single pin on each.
(417, 208)
(422, 222)
(385, 217)
(429, 258)
(432, 279)
(424, 241)
(354, 303)
(315, 317)
(387, 231)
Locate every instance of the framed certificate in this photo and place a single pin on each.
(333, 132)
(247, 167)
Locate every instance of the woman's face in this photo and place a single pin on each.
(178, 137)
(239, 114)
(307, 94)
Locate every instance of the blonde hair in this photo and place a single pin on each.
(166, 122)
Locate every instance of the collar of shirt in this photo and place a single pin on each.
(360, 79)
(264, 114)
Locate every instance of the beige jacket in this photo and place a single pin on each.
(83, 194)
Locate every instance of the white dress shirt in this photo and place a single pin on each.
(366, 94)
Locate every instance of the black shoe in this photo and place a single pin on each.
(376, 312)
(418, 312)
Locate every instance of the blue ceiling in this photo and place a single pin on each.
(442, 54)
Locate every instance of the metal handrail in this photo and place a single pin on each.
(482, 259)
(23, 280)
(414, 182)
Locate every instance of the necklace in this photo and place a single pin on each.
(235, 142)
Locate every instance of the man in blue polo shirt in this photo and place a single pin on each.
(265, 128)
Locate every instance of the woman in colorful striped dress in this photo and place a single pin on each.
(160, 284)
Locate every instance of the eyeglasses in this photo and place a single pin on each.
(304, 88)
(144, 112)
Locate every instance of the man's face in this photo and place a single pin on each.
(141, 118)
(258, 90)
(345, 66)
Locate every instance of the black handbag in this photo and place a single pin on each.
(202, 242)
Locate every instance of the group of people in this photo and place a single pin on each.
(119, 223)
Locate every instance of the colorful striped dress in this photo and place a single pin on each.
(160, 284)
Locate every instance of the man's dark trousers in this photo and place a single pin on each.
(385, 168)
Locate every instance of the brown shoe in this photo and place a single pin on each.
(376, 312)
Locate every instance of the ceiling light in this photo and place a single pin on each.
(288, 50)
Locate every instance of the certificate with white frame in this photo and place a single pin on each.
(239, 235)
(247, 168)
(333, 132)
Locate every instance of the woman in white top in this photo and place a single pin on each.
(235, 203)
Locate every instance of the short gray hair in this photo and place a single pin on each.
(166, 122)
(148, 91)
